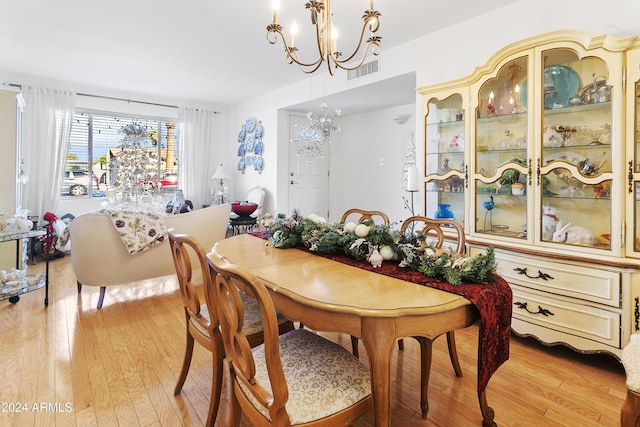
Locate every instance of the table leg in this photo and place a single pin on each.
(425, 370)
(378, 338)
(487, 411)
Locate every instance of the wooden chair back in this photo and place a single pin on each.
(438, 229)
(201, 320)
(258, 383)
(182, 245)
(366, 215)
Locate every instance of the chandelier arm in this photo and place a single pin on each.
(372, 40)
(310, 70)
(273, 31)
(341, 64)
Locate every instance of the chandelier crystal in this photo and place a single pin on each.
(326, 38)
(310, 141)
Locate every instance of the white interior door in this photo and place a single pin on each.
(308, 180)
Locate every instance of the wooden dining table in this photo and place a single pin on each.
(327, 295)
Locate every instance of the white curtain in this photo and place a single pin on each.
(196, 155)
(47, 125)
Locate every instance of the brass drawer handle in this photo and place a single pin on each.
(541, 310)
(541, 275)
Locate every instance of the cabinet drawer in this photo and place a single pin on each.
(585, 283)
(567, 317)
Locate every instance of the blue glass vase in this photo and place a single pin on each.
(443, 211)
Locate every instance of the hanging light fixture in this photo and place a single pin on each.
(310, 141)
(326, 37)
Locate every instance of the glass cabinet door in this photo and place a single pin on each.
(445, 158)
(633, 155)
(501, 167)
(575, 170)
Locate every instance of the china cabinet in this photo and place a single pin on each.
(538, 155)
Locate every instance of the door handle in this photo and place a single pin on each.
(292, 182)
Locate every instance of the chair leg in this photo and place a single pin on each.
(186, 363)
(400, 344)
(453, 353)
(235, 411)
(425, 371)
(103, 290)
(79, 286)
(216, 384)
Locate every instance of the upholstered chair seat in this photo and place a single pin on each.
(323, 377)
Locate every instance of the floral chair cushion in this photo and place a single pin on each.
(323, 378)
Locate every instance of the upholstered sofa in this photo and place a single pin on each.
(100, 258)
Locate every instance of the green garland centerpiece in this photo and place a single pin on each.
(378, 243)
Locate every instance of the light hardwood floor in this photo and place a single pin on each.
(73, 365)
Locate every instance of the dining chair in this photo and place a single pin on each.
(439, 231)
(363, 215)
(256, 195)
(201, 321)
(296, 378)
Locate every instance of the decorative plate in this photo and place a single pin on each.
(259, 130)
(241, 164)
(257, 164)
(241, 149)
(250, 124)
(258, 148)
(249, 143)
(241, 135)
(561, 84)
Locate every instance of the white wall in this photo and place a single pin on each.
(357, 179)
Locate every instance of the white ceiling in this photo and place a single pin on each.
(207, 50)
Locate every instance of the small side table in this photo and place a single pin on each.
(242, 224)
(13, 295)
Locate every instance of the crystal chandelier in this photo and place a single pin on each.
(326, 37)
(310, 141)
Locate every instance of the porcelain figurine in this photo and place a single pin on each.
(574, 234)
(375, 258)
(549, 221)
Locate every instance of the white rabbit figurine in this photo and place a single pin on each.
(549, 221)
(375, 258)
(574, 235)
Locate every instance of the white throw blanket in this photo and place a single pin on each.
(139, 231)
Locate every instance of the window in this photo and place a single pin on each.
(102, 159)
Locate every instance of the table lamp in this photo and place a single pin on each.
(219, 176)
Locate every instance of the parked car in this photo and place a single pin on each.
(168, 181)
(76, 182)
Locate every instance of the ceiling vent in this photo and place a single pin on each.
(363, 70)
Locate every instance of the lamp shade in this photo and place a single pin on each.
(219, 173)
(412, 179)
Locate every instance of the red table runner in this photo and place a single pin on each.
(492, 300)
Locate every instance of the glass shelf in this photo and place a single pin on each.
(26, 284)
